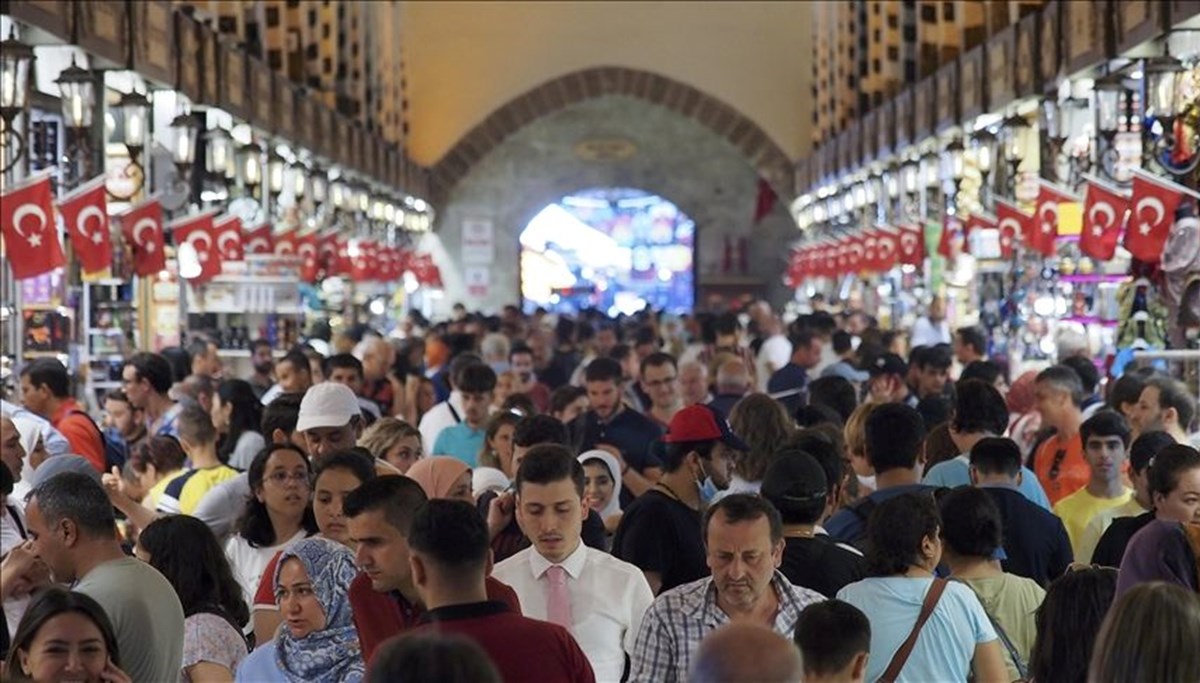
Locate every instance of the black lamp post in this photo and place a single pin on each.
(16, 60)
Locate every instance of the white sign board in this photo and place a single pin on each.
(478, 281)
(478, 241)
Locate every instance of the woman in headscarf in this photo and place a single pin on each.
(443, 477)
(1162, 551)
(35, 454)
(317, 641)
(602, 486)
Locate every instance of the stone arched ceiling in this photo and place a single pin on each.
(747, 137)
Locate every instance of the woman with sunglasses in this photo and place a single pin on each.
(278, 513)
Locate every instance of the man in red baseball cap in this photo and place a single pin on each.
(660, 531)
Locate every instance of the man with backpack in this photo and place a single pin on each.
(45, 390)
(894, 434)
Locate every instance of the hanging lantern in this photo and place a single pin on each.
(1161, 75)
(220, 151)
(184, 131)
(76, 87)
(1109, 90)
(954, 156)
(15, 60)
(134, 108)
(276, 168)
(250, 164)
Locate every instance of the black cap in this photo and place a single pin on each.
(795, 478)
(888, 364)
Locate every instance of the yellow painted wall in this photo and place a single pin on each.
(466, 59)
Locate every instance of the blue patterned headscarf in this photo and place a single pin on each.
(333, 654)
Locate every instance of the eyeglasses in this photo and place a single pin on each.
(1059, 456)
(282, 478)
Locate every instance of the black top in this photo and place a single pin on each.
(1035, 541)
(1111, 547)
(819, 563)
(660, 534)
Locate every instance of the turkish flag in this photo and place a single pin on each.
(1151, 215)
(1044, 228)
(1012, 222)
(327, 253)
(976, 221)
(365, 264)
(258, 240)
(199, 232)
(286, 244)
(85, 216)
(228, 230)
(30, 237)
(887, 249)
(345, 265)
(310, 264)
(142, 227)
(952, 230)
(912, 245)
(1104, 210)
(856, 251)
(870, 249)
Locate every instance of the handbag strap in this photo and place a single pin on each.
(1018, 663)
(901, 657)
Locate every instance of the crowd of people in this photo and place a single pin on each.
(717, 497)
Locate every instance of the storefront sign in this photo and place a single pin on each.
(904, 118)
(103, 29)
(885, 128)
(262, 87)
(234, 98)
(971, 74)
(1049, 57)
(1087, 30)
(1025, 63)
(924, 101)
(478, 281)
(153, 36)
(999, 70)
(478, 241)
(1137, 23)
(55, 16)
(947, 104)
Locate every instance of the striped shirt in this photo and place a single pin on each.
(679, 619)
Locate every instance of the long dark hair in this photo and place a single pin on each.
(1068, 622)
(255, 522)
(49, 603)
(246, 415)
(185, 551)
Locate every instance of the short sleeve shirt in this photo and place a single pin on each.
(660, 534)
(461, 442)
(1073, 471)
(211, 638)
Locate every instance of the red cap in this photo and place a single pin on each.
(702, 423)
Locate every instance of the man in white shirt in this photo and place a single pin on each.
(597, 597)
(449, 412)
(774, 353)
(931, 329)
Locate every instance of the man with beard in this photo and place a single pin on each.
(264, 362)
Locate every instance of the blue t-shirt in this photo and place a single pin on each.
(946, 645)
(956, 472)
(460, 441)
(849, 526)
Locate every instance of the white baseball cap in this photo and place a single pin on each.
(327, 404)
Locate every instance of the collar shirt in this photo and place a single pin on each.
(679, 619)
(608, 599)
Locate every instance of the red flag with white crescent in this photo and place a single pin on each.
(870, 250)
(1151, 214)
(257, 240)
(85, 216)
(887, 249)
(286, 244)
(310, 264)
(31, 243)
(1104, 209)
(912, 245)
(855, 252)
(1012, 222)
(952, 231)
(198, 231)
(142, 227)
(327, 253)
(228, 230)
(1043, 230)
(976, 221)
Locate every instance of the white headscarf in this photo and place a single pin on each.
(613, 506)
(30, 430)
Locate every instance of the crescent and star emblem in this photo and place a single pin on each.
(145, 223)
(81, 221)
(35, 237)
(1156, 206)
(198, 236)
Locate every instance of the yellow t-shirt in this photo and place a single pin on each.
(1078, 509)
(184, 494)
(1099, 524)
(155, 493)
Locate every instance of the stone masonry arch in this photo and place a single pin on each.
(770, 162)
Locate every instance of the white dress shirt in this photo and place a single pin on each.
(608, 599)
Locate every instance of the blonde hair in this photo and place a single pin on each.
(381, 436)
(855, 431)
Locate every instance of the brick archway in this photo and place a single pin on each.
(771, 162)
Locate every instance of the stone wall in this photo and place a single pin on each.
(677, 157)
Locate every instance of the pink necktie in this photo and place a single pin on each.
(558, 602)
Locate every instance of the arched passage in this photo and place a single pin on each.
(614, 249)
(768, 160)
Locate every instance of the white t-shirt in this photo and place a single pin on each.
(775, 351)
(926, 333)
(248, 563)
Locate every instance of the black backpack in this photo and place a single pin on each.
(863, 507)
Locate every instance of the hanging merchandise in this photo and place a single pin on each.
(1181, 274)
(142, 227)
(258, 240)
(1104, 210)
(85, 218)
(1153, 203)
(1143, 316)
(30, 238)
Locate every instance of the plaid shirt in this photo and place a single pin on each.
(679, 619)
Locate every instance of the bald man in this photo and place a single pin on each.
(377, 356)
(747, 652)
(733, 381)
(693, 383)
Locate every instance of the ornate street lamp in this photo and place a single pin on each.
(16, 59)
(249, 163)
(1111, 95)
(220, 153)
(276, 171)
(1013, 129)
(77, 88)
(134, 108)
(184, 133)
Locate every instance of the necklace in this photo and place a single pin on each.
(671, 492)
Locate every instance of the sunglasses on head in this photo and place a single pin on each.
(1059, 456)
